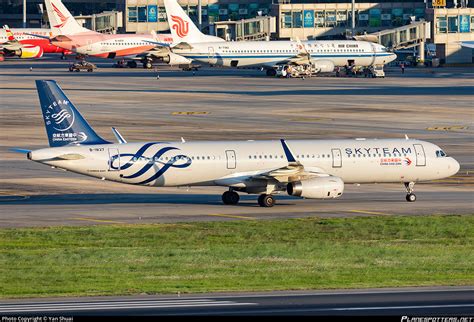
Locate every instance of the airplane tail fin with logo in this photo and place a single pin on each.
(182, 27)
(61, 20)
(64, 124)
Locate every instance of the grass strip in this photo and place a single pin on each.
(297, 254)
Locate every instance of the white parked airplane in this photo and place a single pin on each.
(189, 42)
(68, 34)
(305, 168)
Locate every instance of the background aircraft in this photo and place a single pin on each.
(306, 168)
(21, 43)
(68, 34)
(322, 56)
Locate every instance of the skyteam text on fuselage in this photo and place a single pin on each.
(306, 168)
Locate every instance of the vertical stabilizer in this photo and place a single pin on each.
(182, 27)
(64, 124)
(61, 20)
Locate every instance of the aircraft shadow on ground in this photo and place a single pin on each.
(131, 198)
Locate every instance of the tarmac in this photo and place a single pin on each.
(223, 104)
(422, 301)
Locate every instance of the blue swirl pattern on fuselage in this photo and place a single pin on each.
(151, 162)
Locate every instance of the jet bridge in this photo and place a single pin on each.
(408, 36)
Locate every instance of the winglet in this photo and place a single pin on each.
(289, 155)
(118, 136)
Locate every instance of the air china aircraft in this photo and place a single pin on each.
(323, 55)
(21, 43)
(68, 34)
(315, 169)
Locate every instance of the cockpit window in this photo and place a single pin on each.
(441, 154)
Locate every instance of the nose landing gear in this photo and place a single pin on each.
(411, 197)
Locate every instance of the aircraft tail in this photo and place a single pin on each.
(64, 124)
(182, 27)
(61, 20)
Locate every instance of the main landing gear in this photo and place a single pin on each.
(411, 197)
(265, 200)
(231, 197)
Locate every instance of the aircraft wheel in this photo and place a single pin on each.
(271, 72)
(266, 201)
(147, 65)
(230, 198)
(411, 197)
(132, 64)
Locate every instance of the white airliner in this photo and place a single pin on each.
(68, 34)
(189, 42)
(316, 169)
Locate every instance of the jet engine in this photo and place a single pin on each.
(29, 52)
(323, 66)
(174, 59)
(317, 188)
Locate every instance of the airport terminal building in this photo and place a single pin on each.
(303, 19)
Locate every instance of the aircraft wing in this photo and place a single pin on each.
(294, 171)
(303, 56)
(157, 52)
(468, 44)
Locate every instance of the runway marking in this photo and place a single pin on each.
(233, 216)
(190, 113)
(371, 212)
(115, 305)
(98, 220)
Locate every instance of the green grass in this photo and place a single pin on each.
(237, 256)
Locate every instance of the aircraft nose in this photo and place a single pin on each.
(454, 166)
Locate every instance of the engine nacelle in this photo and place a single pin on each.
(29, 52)
(324, 66)
(317, 188)
(174, 59)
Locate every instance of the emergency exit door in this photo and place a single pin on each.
(420, 155)
(114, 160)
(336, 158)
(231, 160)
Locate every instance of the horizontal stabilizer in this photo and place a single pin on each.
(18, 150)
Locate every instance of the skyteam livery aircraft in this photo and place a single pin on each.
(189, 42)
(314, 169)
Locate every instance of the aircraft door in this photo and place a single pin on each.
(374, 53)
(89, 45)
(114, 160)
(336, 158)
(231, 159)
(212, 56)
(420, 155)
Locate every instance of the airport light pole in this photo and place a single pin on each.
(353, 18)
(24, 13)
(200, 14)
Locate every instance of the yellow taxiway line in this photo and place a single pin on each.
(371, 212)
(98, 220)
(233, 216)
